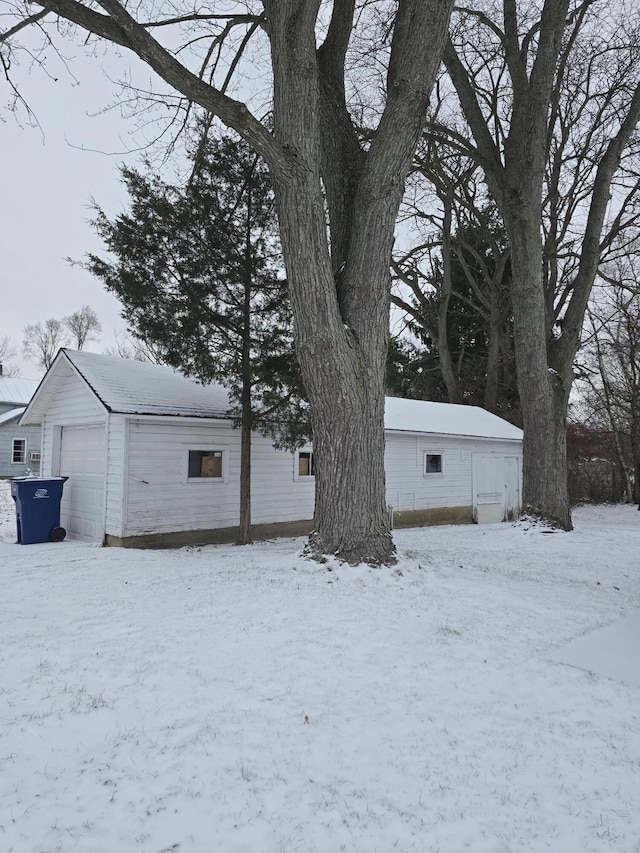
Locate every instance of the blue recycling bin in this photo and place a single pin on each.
(38, 508)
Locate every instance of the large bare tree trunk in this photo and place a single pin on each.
(346, 395)
(341, 292)
(543, 396)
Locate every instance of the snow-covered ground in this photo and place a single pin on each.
(244, 700)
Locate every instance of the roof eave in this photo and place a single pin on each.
(516, 438)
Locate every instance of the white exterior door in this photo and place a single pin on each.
(496, 488)
(512, 498)
(82, 459)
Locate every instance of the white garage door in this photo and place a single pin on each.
(82, 459)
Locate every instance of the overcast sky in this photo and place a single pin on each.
(47, 182)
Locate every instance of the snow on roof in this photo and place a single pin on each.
(18, 391)
(446, 419)
(138, 387)
(5, 417)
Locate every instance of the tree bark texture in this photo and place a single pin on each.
(543, 392)
(340, 286)
(494, 353)
(447, 369)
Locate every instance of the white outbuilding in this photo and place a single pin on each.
(153, 459)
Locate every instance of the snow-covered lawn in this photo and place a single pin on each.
(241, 699)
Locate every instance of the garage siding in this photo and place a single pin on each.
(161, 499)
(408, 488)
(115, 487)
(277, 495)
(73, 403)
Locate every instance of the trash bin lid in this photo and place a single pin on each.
(32, 479)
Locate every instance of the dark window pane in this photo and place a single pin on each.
(434, 463)
(19, 451)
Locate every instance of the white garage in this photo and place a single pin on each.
(153, 459)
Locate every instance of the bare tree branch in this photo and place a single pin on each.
(32, 19)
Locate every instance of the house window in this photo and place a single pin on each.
(19, 451)
(305, 465)
(205, 463)
(433, 463)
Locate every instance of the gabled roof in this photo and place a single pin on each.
(425, 416)
(136, 387)
(17, 391)
(5, 417)
(132, 387)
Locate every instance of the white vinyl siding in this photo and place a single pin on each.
(10, 431)
(116, 494)
(409, 488)
(73, 403)
(161, 499)
(75, 407)
(277, 494)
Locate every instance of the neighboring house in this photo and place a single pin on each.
(153, 459)
(19, 446)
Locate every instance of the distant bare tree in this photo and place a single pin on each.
(610, 367)
(7, 353)
(126, 347)
(83, 325)
(42, 341)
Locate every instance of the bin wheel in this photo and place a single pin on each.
(57, 534)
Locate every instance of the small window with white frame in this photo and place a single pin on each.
(304, 465)
(433, 464)
(18, 451)
(206, 465)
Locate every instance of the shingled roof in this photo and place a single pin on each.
(133, 387)
(140, 388)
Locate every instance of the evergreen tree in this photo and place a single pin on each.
(198, 271)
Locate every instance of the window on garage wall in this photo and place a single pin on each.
(305, 464)
(432, 463)
(206, 464)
